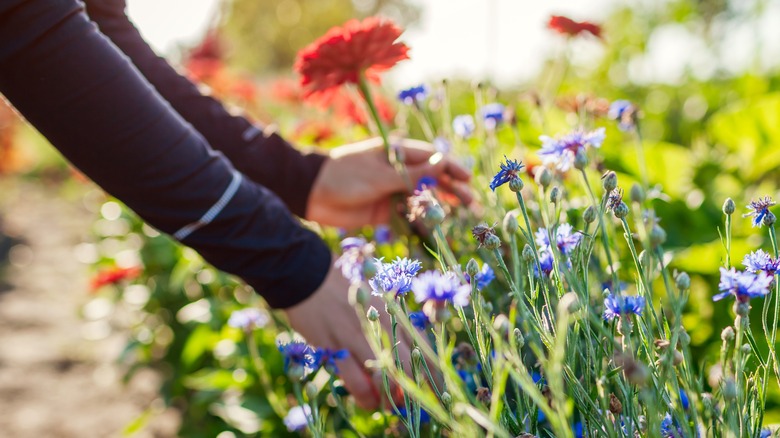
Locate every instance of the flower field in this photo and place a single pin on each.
(615, 274)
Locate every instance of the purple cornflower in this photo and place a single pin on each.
(625, 113)
(355, 252)
(297, 354)
(394, 277)
(615, 198)
(616, 306)
(492, 114)
(760, 261)
(561, 150)
(760, 209)
(326, 358)
(418, 320)
(484, 277)
(440, 288)
(248, 319)
(743, 285)
(442, 145)
(509, 171)
(413, 95)
(297, 418)
(565, 240)
(463, 125)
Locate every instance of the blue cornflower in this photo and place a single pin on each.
(355, 252)
(608, 285)
(765, 433)
(382, 234)
(760, 261)
(426, 182)
(743, 285)
(545, 261)
(463, 125)
(248, 319)
(394, 277)
(561, 151)
(760, 209)
(297, 354)
(670, 428)
(326, 358)
(483, 277)
(565, 240)
(440, 288)
(492, 114)
(425, 417)
(509, 171)
(413, 95)
(442, 145)
(684, 400)
(616, 306)
(625, 113)
(296, 418)
(419, 320)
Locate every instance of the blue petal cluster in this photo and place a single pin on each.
(326, 358)
(561, 150)
(354, 253)
(565, 239)
(743, 285)
(248, 319)
(492, 115)
(419, 320)
(616, 306)
(760, 261)
(395, 277)
(463, 125)
(625, 113)
(759, 210)
(545, 261)
(484, 277)
(440, 288)
(297, 354)
(413, 95)
(670, 428)
(509, 170)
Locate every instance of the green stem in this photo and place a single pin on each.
(262, 374)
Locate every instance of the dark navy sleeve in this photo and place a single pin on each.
(92, 104)
(266, 158)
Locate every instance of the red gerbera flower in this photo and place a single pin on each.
(345, 53)
(567, 26)
(113, 276)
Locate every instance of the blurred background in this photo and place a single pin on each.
(107, 328)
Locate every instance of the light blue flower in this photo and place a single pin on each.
(463, 126)
(296, 418)
(561, 150)
(440, 288)
(617, 306)
(395, 277)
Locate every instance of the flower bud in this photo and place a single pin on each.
(434, 215)
(492, 242)
(362, 296)
(729, 390)
(446, 399)
(580, 159)
(311, 391)
(685, 338)
(372, 314)
(609, 181)
(621, 210)
(589, 215)
(369, 268)
(487, 306)
(683, 281)
(727, 335)
(555, 195)
(472, 268)
(746, 349)
(614, 405)
(510, 223)
(519, 338)
(296, 372)
(516, 184)
(729, 207)
(769, 219)
(657, 236)
(742, 309)
(637, 194)
(417, 356)
(528, 253)
(544, 177)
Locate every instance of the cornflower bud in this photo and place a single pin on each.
(589, 215)
(510, 223)
(372, 314)
(311, 390)
(417, 356)
(609, 181)
(657, 236)
(492, 242)
(637, 194)
(621, 210)
(746, 349)
(516, 184)
(580, 159)
(684, 338)
(769, 219)
(528, 253)
(729, 207)
(544, 177)
(487, 306)
(446, 399)
(519, 338)
(727, 335)
(683, 281)
(472, 268)
(729, 390)
(555, 195)
(362, 296)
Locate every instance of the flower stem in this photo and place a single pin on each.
(262, 374)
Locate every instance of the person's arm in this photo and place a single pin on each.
(92, 104)
(266, 158)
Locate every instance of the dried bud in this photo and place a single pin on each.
(727, 335)
(769, 219)
(634, 371)
(609, 181)
(544, 177)
(423, 205)
(637, 194)
(528, 253)
(657, 235)
(580, 159)
(481, 233)
(472, 268)
(519, 338)
(729, 207)
(614, 405)
(510, 223)
(555, 195)
(621, 210)
(372, 314)
(683, 281)
(516, 184)
(483, 395)
(589, 215)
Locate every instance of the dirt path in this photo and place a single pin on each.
(54, 382)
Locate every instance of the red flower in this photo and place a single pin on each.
(345, 53)
(567, 26)
(113, 276)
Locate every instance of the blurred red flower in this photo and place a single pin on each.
(205, 60)
(346, 107)
(113, 275)
(567, 26)
(345, 53)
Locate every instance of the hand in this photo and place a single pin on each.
(327, 319)
(355, 184)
